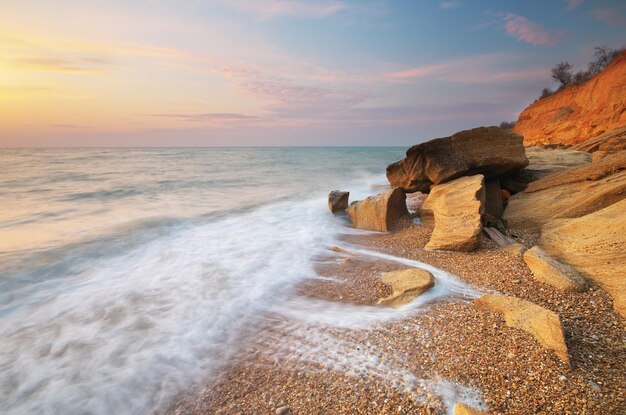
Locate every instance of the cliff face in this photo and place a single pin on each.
(578, 113)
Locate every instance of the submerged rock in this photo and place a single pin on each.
(457, 207)
(596, 245)
(406, 285)
(379, 213)
(569, 193)
(549, 270)
(338, 201)
(489, 151)
(542, 323)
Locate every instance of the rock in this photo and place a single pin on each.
(489, 151)
(596, 245)
(516, 249)
(283, 410)
(457, 207)
(494, 205)
(542, 323)
(569, 193)
(338, 201)
(604, 145)
(549, 270)
(578, 113)
(379, 213)
(340, 250)
(406, 285)
(542, 162)
(462, 409)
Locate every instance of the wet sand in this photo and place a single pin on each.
(445, 352)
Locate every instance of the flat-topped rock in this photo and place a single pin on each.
(338, 201)
(541, 323)
(549, 270)
(569, 193)
(406, 285)
(596, 245)
(457, 207)
(379, 213)
(489, 151)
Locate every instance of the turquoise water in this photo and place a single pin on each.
(127, 274)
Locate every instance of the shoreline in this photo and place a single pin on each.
(425, 362)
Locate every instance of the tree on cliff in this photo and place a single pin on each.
(603, 56)
(562, 72)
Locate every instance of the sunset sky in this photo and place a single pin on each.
(281, 72)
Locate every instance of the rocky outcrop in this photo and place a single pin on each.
(541, 163)
(578, 113)
(605, 144)
(596, 245)
(569, 193)
(379, 213)
(462, 409)
(489, 151)
(406, 285)
(549, 270)
(541, 323)
(457, 207)
(338, 201)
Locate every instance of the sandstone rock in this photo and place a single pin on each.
(578, 113)
(283, 410)
(494, 205)
(611, 142)
(462, 409)
(406, 285)
(379, 213)
(338, 201)
(457, 207)
(542, 162)
(596, 245)
(549, 270)
(490, 151)
(542, 323)
(569, 193)
(515, 249)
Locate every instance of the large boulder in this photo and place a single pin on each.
(489, 151)
(540, 322)
(596, 245)
(462, 409)
(542, 162)
(569, 193)
(549, 270)
(338, 201)
(407, 285)
(457, 207)
(379, 213)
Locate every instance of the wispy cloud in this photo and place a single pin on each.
(527, 31)
(572, 4)
(609, 16)
(270, 9)
(85, 64)
(447, 5)
(204, 117)
(477, 69)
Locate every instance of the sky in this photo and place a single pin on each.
(282, 72)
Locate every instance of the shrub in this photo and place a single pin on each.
(603, 57)
(562, 72)
(507, 125)
(545, 93)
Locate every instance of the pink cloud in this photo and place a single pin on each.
(573, 4)
(609, 16)
(269, 9)
(527, 31)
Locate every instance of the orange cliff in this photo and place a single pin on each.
(578, 113)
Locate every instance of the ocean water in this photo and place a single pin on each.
(126, 275)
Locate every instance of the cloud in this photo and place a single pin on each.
(527, 31)
(476, 69)
(572, 4)
(86, 64)
(609, 16)
(447, 5)
(204, 117)
(270, 9)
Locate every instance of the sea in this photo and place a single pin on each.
(129, 274)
